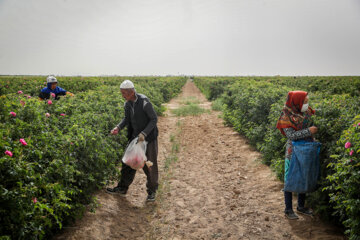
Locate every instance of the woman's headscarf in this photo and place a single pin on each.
(291, 116)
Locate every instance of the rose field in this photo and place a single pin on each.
(57, 154)
(252, 106)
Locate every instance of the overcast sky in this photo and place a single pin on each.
(160, 37)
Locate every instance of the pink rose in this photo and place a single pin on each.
(351, 152)
(28, 96)
(13, 114)
(23, 142)
(34, 200)
(53, 95)
(9, 153)
(20, 92)
(62, 114)
(49, 102)
(347, 144)
(358, 124)
(47, 114)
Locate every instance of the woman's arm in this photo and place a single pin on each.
(296, 135)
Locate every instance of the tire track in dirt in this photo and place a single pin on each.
(217, 189)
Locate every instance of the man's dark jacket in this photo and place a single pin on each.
(140, 117)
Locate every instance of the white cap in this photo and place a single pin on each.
(51, 79)
(127, 84)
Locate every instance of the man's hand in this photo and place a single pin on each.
(141, 137)
(313, 129)
(114, 131)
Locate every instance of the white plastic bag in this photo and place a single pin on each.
(135, 154)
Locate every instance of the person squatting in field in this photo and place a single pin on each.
(53, 89)
(294, 123)
(141, 121)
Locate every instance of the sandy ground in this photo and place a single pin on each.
(217, 189)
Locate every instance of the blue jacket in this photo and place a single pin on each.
(45, 92)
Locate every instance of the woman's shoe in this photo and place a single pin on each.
(291, 215)
(305, 211)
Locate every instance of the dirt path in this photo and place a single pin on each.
(217, 189)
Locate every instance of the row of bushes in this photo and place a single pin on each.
(33, 84)
(328, 85)
(253, 105)
(56, 154)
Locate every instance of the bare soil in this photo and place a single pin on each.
(217, 189)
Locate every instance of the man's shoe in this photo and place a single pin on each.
(305, 211)
(116, 190)
(291, 215)
(151, 197)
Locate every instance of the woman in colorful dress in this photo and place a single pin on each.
(295, 124)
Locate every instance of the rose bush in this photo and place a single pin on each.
(47, 178)
(253, 106)
(344, 181)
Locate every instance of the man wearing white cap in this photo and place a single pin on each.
(140, 120)
(52, 88)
